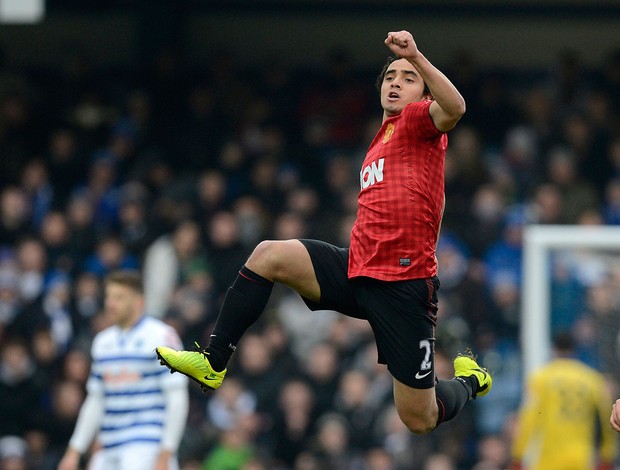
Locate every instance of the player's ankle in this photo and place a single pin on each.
(470, 383)
(217, 360)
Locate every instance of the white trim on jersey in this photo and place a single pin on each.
(125, 371)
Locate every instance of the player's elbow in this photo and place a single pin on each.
(463, 106)
(448, 124)
(445, 118)
(458, 109)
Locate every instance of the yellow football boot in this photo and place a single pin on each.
(193, 364)
(465, 365)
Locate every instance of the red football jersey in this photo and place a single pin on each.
(401, 201)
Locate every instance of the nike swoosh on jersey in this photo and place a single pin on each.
(421, 376)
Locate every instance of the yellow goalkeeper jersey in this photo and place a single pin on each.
(563, 423)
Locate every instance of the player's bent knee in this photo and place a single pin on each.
(269, 259)
(419, 423)
(263, 258)
(417, 408)
(419, 427)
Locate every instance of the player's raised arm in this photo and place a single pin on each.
(448, 105)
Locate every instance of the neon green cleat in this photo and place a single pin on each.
(465, 365)
(193, 364)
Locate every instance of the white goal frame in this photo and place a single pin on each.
(538, 241)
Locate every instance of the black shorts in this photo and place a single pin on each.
(402, 314)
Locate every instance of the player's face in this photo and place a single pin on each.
(122, 304)
(401, 85)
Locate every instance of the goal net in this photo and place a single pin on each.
(571, 280)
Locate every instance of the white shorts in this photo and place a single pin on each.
(129, 457)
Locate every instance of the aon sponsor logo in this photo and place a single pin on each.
(372, 174)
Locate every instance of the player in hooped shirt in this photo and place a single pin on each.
(135, 411)
(388, 276)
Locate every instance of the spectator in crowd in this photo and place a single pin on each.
(323, 372)
(226, 409)
(14, 215)
(293, 421)
(83, 235)
(331, 442)
(13, 453)
(439, 462)
(109, 254)
(65, 163)
(21, 389)
(352, 401)
(233, 451)
(85, 303)
(54, 234)
(225, 250)
(577, 193)
(255, 368)
(101, 190)
(136, 229)
(37, 190)
(76, 367)
(493, 453)
(50, 312)
(11, 303)
(167, 262)
(65, 401)
(33, 266)
(378, 459)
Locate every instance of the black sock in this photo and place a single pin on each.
(244, 303)
(451, 396)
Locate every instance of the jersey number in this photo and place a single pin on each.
(426, 363)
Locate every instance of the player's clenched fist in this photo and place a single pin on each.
(614, 420)
(402, 44)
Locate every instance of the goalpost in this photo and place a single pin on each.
(538, 241)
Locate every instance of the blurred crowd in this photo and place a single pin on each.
(180, 171)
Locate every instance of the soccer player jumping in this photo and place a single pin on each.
(388, 275)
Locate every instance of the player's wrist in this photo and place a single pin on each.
(415, 57)
(72, 453)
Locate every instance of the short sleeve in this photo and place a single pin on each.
(419, 119)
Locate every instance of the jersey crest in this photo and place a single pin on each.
(389, 130)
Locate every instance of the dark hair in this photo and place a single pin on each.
(564, 341)
(384, 70)
(128, 278)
